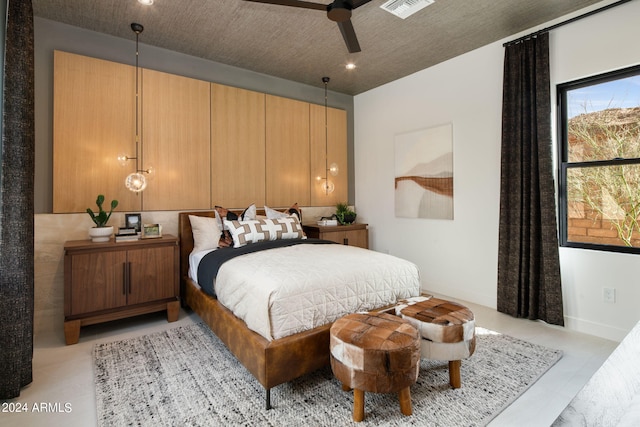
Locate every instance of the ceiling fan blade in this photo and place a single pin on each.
(294, 3)
(349, 36)
(358, 3)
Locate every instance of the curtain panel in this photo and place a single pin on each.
(528, 257)
(16, 202)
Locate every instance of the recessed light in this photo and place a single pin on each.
(146, 2)
(350, 66)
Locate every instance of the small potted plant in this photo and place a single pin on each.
(101, 232)
(345, 214)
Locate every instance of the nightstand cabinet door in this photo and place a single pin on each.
(151, 274)
(97, 282)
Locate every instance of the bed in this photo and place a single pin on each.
(271, 361)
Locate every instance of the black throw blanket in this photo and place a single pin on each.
(211, 262)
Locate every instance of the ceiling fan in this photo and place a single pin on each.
(338, 11)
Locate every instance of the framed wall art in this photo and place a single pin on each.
(424, 173)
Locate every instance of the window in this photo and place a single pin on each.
(599, 142)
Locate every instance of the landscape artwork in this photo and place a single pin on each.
(424, 173)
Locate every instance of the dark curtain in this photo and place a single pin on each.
(528, 260)
(16, 202)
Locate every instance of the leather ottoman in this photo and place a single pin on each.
(375, 352)
(447, 330)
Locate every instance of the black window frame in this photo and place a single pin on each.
(563, 156)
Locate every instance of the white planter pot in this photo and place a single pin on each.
(100, 234)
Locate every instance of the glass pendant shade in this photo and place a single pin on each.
(334, 169)
(136, 182)
(328, 186)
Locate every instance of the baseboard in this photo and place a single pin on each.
(572, 323)
(464, 295)
(594, 328)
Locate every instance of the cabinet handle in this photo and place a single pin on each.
(129, 276)
(125, 275)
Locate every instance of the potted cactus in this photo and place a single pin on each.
(101, 232)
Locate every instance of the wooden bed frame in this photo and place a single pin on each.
(270, 362)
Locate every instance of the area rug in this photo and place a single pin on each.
(187, 377)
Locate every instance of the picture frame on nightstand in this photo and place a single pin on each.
(133, 220)
(151, 231)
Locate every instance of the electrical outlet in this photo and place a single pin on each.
(609, 295)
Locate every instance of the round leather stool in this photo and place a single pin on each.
(375, 352)
(447, 330)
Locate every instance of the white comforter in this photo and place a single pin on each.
(282, 291)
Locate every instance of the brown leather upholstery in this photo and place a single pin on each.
(271, 362)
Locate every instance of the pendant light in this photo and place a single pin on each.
(137, 181)
(327, 186)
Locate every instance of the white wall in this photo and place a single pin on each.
(459, 257)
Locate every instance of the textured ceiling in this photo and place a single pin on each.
(302, 44)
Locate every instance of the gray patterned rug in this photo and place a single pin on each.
(186, 377)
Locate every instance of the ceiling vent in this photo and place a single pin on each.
(405, 8)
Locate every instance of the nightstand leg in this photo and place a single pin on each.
(71, 331)
(173, 310)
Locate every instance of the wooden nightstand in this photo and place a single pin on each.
(109, 281)
(352, 235)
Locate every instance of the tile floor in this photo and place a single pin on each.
(63, 375)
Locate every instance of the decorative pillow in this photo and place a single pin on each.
(205, 232)
(249, 213)
(224, 213)
(274, 214)
(258, 230)
(293, 210)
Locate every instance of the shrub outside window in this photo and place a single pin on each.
(599, 176)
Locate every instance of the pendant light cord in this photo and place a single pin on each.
(137, 28)
(326, 138)
(137, 104)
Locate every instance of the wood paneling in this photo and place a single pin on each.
(237, 147)
(208, 143)
(287, 155)
(94, 121)
(176, 141)
(335, 152)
